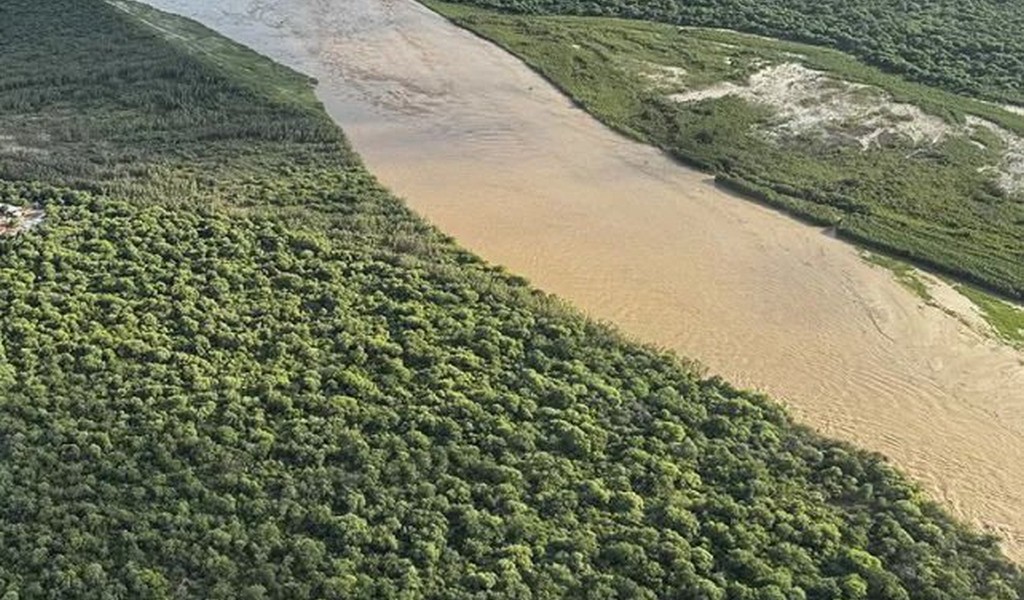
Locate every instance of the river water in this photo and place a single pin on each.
(490, 153)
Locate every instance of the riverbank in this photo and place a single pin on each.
(233, 365)
(916, 172)
(493, 155)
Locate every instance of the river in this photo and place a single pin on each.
(493, 155)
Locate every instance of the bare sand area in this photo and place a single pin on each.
(485, 149)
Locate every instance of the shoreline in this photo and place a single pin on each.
(498, 159)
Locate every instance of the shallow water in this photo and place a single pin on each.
(493, 155)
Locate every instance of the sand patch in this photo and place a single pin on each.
(807, 102)
(16, 219)
(11, 145)
(1009, 172)
(953, 302)
(810, 103)
(1017, 110)
(663, 76)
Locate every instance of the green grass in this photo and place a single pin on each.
(1005, 318)
(232, 365)
(904, 274)
(934, 206)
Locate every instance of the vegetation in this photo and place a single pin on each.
(904, 274)
(232, 366)
(970, 47)
(1006, 319)
(938, 204)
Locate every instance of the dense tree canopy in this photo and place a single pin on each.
(968, 46)
(232, 366)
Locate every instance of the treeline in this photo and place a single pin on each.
(277, 382)
(969, 47)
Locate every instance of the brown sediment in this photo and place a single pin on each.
(493, 155)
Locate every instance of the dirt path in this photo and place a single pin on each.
(493, 155)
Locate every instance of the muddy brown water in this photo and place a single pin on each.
(489, 152)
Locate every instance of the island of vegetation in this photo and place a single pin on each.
(233, 366)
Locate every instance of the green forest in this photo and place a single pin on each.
(936, 204)
(970, 46)
(232, 365)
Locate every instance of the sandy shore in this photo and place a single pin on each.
(496, 157)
